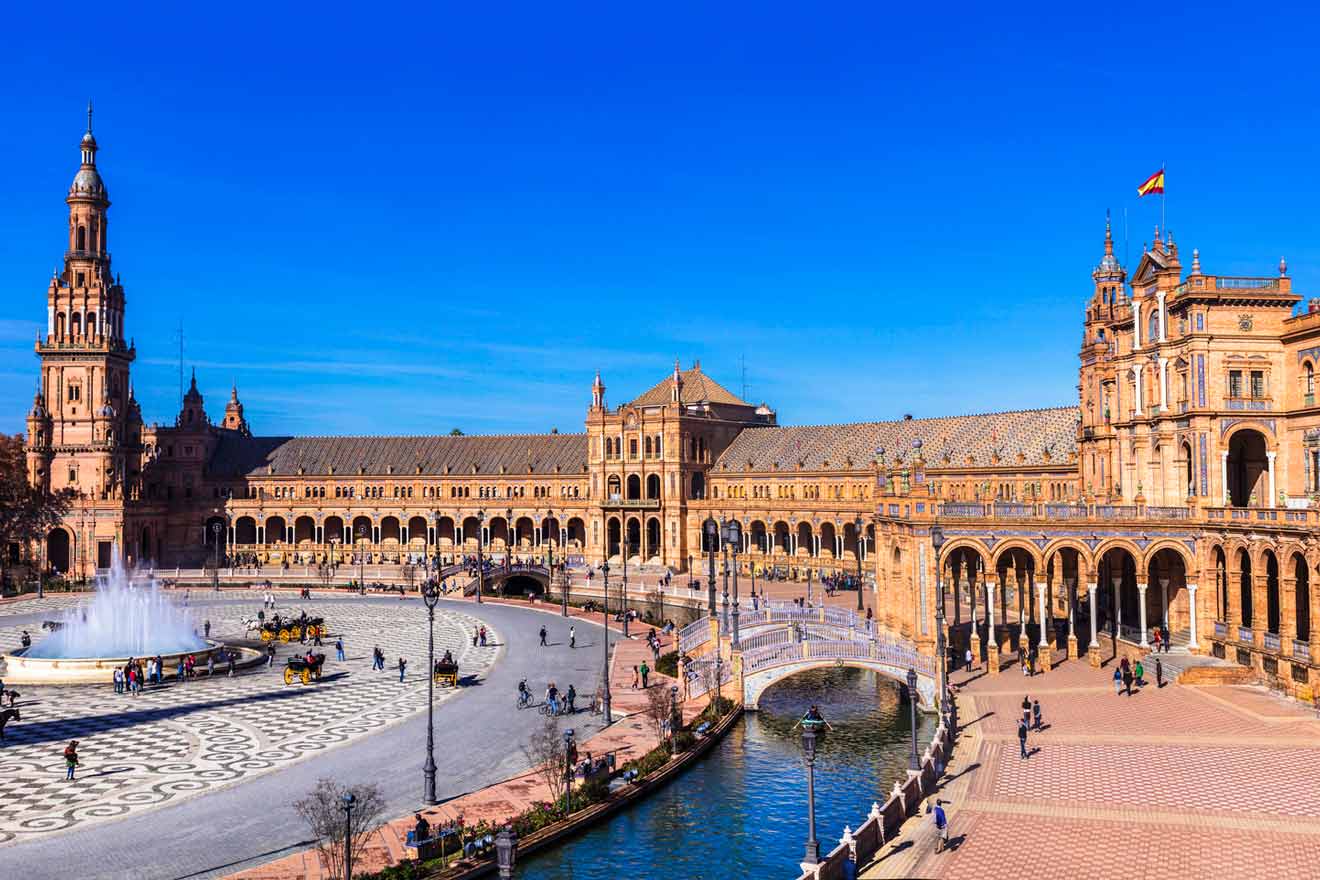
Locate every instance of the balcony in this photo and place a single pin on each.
(1244, 634)
(1271, 641)
(1221, 629)
(1248, 404)
(633, 503)
(1301, 650)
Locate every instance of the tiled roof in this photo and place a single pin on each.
(1030, 432)
(697, 387)
(238, 455)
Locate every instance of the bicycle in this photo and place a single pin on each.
(524, 700)
(548, 709)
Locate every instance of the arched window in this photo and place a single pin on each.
(659, 448)
(1310, 383)
(82, 238)
(1154, 331)
(649, 450)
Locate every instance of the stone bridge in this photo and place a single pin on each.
(781, 641)
(499, 576)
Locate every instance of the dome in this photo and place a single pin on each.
(88, 140)
(87, 182)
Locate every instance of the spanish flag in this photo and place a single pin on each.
(1154, 184)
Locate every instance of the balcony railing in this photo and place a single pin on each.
(1116, 511)
(634, 503)
(1065, 511)
(1249, 404)
(1245, 634)
(1239, 283)
(1014, 510)
(1168, 512)
(1308, 400)
(1271, 642)
(1221, 629)
(1301, 650)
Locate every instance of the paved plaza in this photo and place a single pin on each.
(1184, 781)
(235, 753)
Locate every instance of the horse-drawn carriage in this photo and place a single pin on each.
(284, 629)
(304, 668)
(446, 671)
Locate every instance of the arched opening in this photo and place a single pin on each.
(444, 532)
(614, 487)
(81, 238)
(276, 530)
(707, 542)
(1221, 585)
(304, 530)
(417, 531)
(245, 530)
(1248, 481)
(827, 540)
(613, 537)
(550, 531)
(1244, 587)
(362, 530)
(804, 545)
(390, 533)
(522, 585)
(653, 486)
(850, 536)
(634, 487)
(634, 546)
(471, 532)
(1302, 598)
(57, 550)
(653, 537)
(523, 532)
(1116, 594)
(577, 533)
(75, 323)
(332, 531)
(499, 531)
(1189, 482)
(698, 486)
(759, 536)
(1271, 593)
(781, 537)
(1166, 594)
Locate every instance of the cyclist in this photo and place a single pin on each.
(524, 695)
(552, 698)
(569, 697)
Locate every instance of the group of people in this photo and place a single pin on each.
(1127, 674)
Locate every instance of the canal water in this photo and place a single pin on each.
(741, 810)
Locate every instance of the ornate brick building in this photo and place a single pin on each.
(1180, 489)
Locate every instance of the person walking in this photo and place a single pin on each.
(1127, 679)
(572, 637)
(1026, 710)
(968, 658)
(70, 758)
(543, 637)
(941, 828)
(339, 648)
(1159, 674)
(270, 656)
(1139, 674)
(377, 658)
(210, 666)
(646, 671)
(1118, 681)
(1035, 712)
(206, 628)
(1022, 738)
(231, 664)
(119, 680)
(637, 675)
(1155, 639)
(403, 664)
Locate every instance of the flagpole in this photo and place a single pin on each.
(1163, 222)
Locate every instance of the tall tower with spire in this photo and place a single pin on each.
(82, 425)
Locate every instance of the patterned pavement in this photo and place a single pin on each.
(181, 740)
(1184, 781)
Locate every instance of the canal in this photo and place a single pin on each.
(741, 810)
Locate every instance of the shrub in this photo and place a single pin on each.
(668, 664)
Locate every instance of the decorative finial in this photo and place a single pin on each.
(1196, 261)
(89, 115)
(1283, 267)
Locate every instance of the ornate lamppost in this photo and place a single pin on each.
(809, 726)
(712, 541)
(941, 646)
(568, 771)
(733, 539)
(861, 547)
(912, 705)
(362, 556)
(623, 604)
(215, 570)
(481, 568)
(506, 852)
(724, 549)
(431, 597)
(347, 806)
(605, 619)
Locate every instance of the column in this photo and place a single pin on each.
(1090, 588)
(1164, 603)
(1160, 298)
(1191, 607)
(1040, 605)
(1164, 381)
(1140, 402)
(1141, 609)
(1269, 456)
(1223, 475)
(1136, 324)
(1117, 583)
(992, 648)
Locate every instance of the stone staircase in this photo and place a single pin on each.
(1184, 667)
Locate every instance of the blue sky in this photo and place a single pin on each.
(393, 219)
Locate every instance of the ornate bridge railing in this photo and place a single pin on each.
(885, 652)
(701, 676)
(694, 635)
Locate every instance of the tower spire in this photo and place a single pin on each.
(89, 115)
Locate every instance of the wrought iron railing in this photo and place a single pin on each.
(1301, 650)
(1221, 629)
(1245, 634)
(1271, 641)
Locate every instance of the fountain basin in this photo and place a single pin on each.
(20, 669)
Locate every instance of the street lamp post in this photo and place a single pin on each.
(861, 545)
(430, 596)
(568, 771)
(675, 717)
(733, 540)
(605, 605)
(362, 556)
(941, 646)
(506, 852)
(691, 580)
(623, 604)
(347, 807)
(712, 541)
(912, 705)
(481, 568)
(724, 549)
(215, 571)
(809, 752)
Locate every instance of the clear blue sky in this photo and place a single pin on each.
(397, 220)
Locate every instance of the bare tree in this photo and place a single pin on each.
(657, 710)
(323, 811)
(546, 751)
(327, 573)
(410, 575)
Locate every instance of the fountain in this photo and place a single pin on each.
(128, 616)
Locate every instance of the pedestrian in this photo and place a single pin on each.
(1022, 737)
(1118, 681)
(646, 670)
(1155, 638)
(70, 758)
(377, 658)
(1127, 681)
(1139, 673)
(542, 637)
(1159, 674)
(941, 828)
(572, 637)
(1035, 712)
(270, 656)
(119, 680)
(637, 674)
(482, 634)
(339, 648)
(968, 658)
(1026, 709)
(403, 664)
(206, 628)
(178, 673)
(231, 664)
(210, 666)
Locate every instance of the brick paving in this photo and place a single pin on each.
(1184, 781)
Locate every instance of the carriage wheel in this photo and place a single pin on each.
(306, 677)
(265, 635)
(313, 632)
(284, 635)
(288, 675)
(295, 632)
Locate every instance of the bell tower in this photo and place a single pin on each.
(79, 429)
